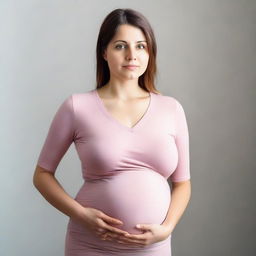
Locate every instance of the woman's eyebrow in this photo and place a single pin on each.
(126, 42)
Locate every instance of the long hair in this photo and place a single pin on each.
(107, 32)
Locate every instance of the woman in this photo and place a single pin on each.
(130, 140)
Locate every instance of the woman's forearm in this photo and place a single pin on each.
(180, 196)
(54, 193)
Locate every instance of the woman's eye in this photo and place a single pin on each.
(119, 46)
(142, 46)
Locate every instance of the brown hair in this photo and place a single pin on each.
(107, 31)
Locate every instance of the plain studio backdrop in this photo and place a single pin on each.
(206, 59)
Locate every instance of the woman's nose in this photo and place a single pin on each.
(131, 55)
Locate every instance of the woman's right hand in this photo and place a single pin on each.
(99, 223)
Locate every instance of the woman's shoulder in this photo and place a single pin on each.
(83, 101)
(82, 95)
(79, 98)
(167, 99)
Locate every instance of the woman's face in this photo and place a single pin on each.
(127, 47)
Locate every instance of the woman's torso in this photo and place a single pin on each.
(125, 169)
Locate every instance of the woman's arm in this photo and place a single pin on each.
(53, 192)
(180, 196)
(180, 178)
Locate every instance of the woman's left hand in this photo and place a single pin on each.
(153, 233)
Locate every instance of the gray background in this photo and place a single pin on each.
(206, 59)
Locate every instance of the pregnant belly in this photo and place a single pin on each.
(133, 197)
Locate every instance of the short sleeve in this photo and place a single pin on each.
(59, 138)
(182, 171)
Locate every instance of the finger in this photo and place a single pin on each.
(100, 231)
(110, 219)
(106, 238)
(132, 239)
(110, 228)
(139, 237)
(109, 235)
(112, 236)
(116, 230)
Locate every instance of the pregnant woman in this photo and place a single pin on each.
(130, 140)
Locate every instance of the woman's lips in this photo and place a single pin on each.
(131, 67)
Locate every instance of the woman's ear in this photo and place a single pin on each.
(105, 55)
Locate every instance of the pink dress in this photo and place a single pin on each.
(125, 170)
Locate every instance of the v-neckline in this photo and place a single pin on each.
(114, 120)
